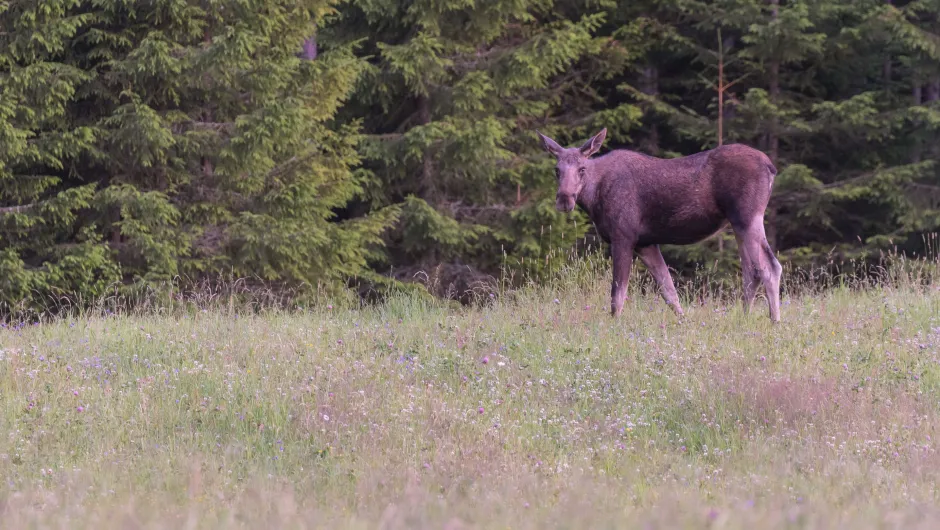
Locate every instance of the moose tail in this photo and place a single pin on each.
(773, 173)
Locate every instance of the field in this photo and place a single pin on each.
(535, 411)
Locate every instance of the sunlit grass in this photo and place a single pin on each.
(534, 411)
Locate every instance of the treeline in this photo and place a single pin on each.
(325, 143)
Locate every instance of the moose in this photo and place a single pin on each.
(638, 202)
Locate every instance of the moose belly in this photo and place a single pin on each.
(680, 230)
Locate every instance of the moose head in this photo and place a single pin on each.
(573, 168)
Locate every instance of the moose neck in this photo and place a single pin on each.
(587, 197)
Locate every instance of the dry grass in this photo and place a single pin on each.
(390, 418)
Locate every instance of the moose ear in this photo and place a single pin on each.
(594, 144)
(549, 145)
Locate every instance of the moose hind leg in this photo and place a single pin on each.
(772, 282)
(758, 264)
(750, 277)
(653, 259)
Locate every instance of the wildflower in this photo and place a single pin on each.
(326, 417)
(556, 301)
(486, 359)
(480, 410)
(80, 408)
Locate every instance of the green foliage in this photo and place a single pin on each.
(185, 138)
(450, 110)
(451, 113)
(139, 142)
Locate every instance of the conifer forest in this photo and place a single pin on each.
(336, 144)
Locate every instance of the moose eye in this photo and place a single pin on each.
(581, 172)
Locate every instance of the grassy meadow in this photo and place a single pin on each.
(534, 411)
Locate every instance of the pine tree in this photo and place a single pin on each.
(842, 144)
(453, 96)
(46, 249)
(151, 140)
(143, 141)
(860, 188)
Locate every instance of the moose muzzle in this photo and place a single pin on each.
(564, 202)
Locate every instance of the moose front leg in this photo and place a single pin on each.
(622, 255)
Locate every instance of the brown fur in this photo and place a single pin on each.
(639, 202)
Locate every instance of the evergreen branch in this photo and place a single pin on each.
(17, 209)
(214, 126)
(284, 166)
(386, 136)
(738, 80)
(801, 194)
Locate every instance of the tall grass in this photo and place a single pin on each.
(532, 410)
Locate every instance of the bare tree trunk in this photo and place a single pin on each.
(721, 124)
(207, 169)
(773, 141)
(723, 46)
(933, 89)
(932, 96)
(428, 188)
(727, 111)
(650, 86)
(918, 99)
(886, 66)
(721, 100)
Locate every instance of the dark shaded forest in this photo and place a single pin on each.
(327, 144)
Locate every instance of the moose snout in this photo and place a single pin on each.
(564, 202)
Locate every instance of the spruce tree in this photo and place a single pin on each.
(147, 140)
(46, 247)
(451, 101)
(144, 141)
(823, 88)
